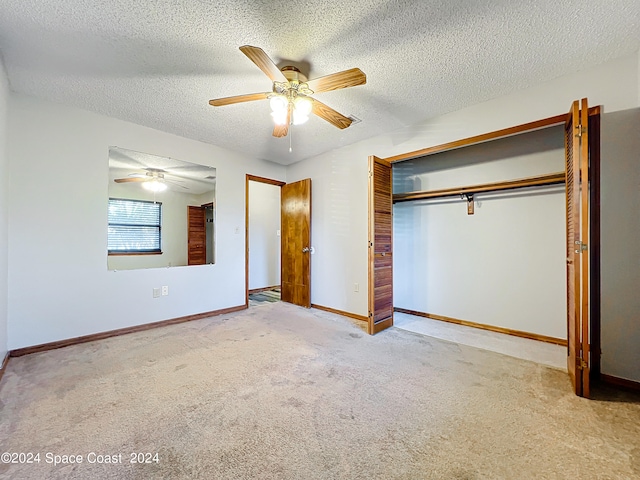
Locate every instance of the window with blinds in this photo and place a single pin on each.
(134, 226)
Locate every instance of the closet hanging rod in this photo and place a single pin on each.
(540, 180)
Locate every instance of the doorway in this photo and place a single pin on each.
(200, 234)
(291, 222)
(263, 240)
(581, 152)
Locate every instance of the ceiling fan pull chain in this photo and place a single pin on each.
(290, 135)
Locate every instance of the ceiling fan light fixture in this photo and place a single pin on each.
(299, 118)
(303, 105)
(155, 186)
(290, 97)
(280, 117)
(279, 103)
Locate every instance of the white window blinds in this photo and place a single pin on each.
(134, 226)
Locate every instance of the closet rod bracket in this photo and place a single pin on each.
(470, 203)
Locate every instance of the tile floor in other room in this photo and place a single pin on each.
(260, 298)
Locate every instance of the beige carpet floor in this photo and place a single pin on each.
(280, 392)
(540, 352)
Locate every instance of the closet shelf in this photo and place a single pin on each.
(540, 180)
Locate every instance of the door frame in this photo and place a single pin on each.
(269, 181)
(594, 243)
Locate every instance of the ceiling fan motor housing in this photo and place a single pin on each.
(293, 74)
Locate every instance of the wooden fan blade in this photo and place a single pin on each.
(264, 63)
(336, 81)
(281, 130)
(330, 115)
(250, 97)
(131, 179)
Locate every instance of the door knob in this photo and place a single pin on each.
(305, 249)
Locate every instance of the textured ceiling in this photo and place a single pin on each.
(159, 62)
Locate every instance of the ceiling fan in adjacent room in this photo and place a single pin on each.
(290, 98)
(153, 180)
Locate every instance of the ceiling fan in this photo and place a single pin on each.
(290, 98)
(153, 180)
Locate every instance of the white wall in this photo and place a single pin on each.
(339, 227)
(505, 264)
(264, 241)
(4, 184)
(620, 248)
(339, 177)
(59, 286)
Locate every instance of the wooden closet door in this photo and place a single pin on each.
(380, 245)
(577, 188)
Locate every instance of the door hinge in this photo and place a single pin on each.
(579, 130)
(370, 244)
(582, 364)
(370, 174)
(370, 314)
(581, 246)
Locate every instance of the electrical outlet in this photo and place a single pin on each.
(165, 290)
(156, 292)
(356, 287)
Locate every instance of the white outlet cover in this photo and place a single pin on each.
(165, 290)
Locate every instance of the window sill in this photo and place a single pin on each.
(121, 254)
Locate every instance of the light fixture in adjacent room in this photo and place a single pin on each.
(153, 179)
(155, 186)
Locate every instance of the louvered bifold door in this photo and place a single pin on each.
(196, 236)
(577, 209)
(380, 245)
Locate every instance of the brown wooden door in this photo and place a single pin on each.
(296, 243)
(380, 245)
(577, 185)
(196, 236)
